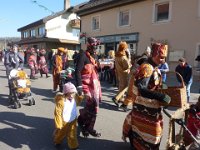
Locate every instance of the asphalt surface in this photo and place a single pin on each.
(31, 127)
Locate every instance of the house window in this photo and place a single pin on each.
(41, 31)
(96, 23)
(124, 18)
(32, 33)
(162, 11)
(25, 34)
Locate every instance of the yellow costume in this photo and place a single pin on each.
(63, 128)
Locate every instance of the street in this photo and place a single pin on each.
(31, 127)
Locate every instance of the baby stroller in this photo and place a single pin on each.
(66, 76)
(19, 88)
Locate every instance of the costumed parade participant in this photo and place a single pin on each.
(87, 81)
(43, 63)
(144, 124)
(59, 62)
(122, 69)
(135, 62)
(32, 62)
(65, 116)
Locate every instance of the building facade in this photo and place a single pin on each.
(141, 22)
(59, 29)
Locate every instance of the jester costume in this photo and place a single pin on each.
(42, 63)
(32, 62)
(144, 124)
(87, 81)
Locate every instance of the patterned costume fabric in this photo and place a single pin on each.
(43, 65)
(91, 88)
(32, 62)
(145, 119)
(88, 81)
(144, 124)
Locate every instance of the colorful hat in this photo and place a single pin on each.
(69, 88)
(159, 49)
(42, 51)
(61, 49)
(93, 41)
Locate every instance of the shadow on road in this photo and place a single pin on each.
(34, 132)
(4, 100)
(91, 143)
(102, 144)
(43, 92)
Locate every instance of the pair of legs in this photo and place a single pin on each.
(123, 86)
(33, 72)
(69, 131)
(188, 86)
(45, 74)
(56, 81)
(87, 118)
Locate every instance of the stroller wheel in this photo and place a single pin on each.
(33, 101)
(30, 102)
(16, 105)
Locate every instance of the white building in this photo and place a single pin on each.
(59, 29)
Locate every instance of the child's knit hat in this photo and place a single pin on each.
(69, 88)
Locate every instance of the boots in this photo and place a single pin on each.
(84, 132)
(94, 133)
(124, 107)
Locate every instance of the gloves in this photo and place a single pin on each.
(167, 99)
(80, 90)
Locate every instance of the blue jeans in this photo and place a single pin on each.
(188, 90)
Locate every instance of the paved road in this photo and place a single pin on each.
(31, 127)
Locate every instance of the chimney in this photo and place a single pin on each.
(66, 4)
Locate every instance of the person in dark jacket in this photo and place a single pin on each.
(12, 59)
(185, 70)
(87, 81)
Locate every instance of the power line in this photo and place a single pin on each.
(42, 6)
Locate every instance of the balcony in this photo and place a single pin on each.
(75, 23)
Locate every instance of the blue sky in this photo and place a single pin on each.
(18, 13)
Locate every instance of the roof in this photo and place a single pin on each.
(99, 5)
(45, 39)
(45, 19)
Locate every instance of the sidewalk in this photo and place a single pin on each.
(171, 81)
(195, 88)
